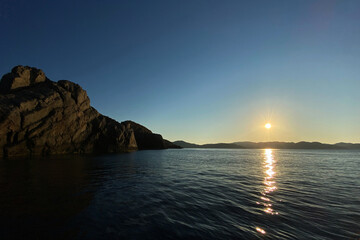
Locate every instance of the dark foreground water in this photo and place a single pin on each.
(183, 194)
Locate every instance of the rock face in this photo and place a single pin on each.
(40, 117)
(148, 140)
(21, 76)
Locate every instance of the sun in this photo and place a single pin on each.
(268, 125)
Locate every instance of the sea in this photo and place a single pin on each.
(183, 194)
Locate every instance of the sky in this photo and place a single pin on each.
(201, 71)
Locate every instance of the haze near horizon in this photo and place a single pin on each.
(204, 71)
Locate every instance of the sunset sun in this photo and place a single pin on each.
(268, 125)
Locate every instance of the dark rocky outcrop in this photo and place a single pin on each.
(21, 76)
(146, 139)
(39, 116)
(169, 144)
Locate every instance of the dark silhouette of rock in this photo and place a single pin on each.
(39, 116)
(168, 144)
(21, 76)
(146, 139)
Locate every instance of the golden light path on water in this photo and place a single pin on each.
(269, 185)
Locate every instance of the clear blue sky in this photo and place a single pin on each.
(201, 71)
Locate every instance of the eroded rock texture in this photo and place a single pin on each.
(146, 139)
(39, 116)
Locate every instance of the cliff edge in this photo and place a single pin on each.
(42, 117)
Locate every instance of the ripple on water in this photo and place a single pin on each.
(179, 194)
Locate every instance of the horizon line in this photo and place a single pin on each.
(269, 142)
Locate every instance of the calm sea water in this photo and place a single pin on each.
(183, 194)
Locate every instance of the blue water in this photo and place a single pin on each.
(183, 194)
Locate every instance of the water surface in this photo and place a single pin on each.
(183, 194)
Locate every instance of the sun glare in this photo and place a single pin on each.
(268, 125)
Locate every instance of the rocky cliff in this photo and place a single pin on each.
(41, 117)
(146, 139)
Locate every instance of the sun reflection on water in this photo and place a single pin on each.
(269, 181)
(260, 230)
(269, 185)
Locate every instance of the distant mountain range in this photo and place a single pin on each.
(276, 145)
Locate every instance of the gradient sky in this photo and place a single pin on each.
(201, 71)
